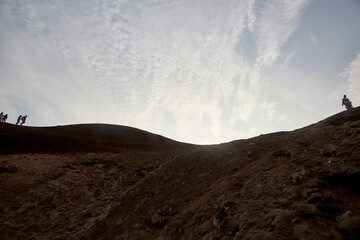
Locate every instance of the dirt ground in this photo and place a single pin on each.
(115, 182)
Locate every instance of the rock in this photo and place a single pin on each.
(307, 210)
(315, 197)
(297, 176)
(295, 221)
(232, 224)
(167, 210)
(216, 223)
(245, 221)
(328, 196)
(279, 153)
(292, 152)
(315, 183)
(284, 203)
(212, 236)
(57, 174)
(281, 218)
(158, 221)
(350, 227)
(343, 216)
(155, 219)
(329, 150)
(223, 216)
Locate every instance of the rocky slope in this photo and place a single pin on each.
(111, 182)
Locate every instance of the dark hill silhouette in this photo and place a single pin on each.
(301, 184)
(83, 137)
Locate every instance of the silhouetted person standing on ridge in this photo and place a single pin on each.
(1, 116)
(346, 102)
(5, 118)
(23, 120)
(18, 120)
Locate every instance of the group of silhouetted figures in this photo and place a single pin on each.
(21, 119)
(3, 117)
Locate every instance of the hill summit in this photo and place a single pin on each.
(115, 182)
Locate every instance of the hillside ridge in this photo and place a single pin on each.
(300, 184)
(80, 137)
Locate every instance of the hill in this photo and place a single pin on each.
(287, 185)
(79, 138)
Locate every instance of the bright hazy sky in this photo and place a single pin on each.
(198, 71)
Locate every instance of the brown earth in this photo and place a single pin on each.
(114, 182)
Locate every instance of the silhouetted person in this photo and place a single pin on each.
(5, 118)
(23, 120)
(1, 116)
(18, 120)
(346, 102)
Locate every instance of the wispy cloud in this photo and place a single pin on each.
(173, 59)
(287, 60)
(275, 22)
(352, 73)
(196, 71)
(272, 24)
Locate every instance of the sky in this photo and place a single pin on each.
(196, 71)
